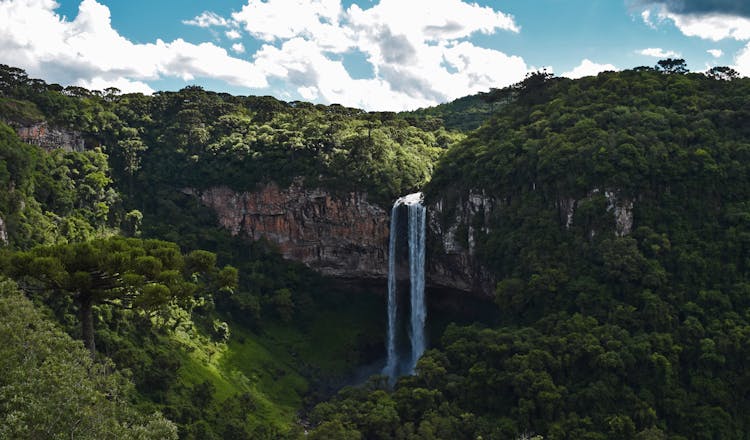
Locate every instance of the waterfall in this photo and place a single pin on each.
(392, 359)
(416, 276)
(416, 220)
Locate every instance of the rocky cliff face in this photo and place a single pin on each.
(452, 232)
(344, 235)
(48, 137)
(3, 233)
(620, 207)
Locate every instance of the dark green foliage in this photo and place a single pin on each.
(125, 272)
(194, 138)
(53, 197)
(464, 114)
(50, 388)
(609, 331)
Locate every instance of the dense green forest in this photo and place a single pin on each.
(116, 282)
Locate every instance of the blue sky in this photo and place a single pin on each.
(373, 54)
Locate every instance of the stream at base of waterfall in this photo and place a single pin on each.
(396, 364)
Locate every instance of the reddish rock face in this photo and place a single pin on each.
(342, 236)
(345, 236)
(50, 138)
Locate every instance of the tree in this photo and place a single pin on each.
(50, 387)
(672, 66)
(722, 73)
(123, 272)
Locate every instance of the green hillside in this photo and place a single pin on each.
(619, 238)
(607, 332)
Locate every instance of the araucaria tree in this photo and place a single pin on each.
(123, 272)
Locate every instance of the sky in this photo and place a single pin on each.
(372, 54)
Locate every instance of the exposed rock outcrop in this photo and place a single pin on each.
(343, 236)
(453, 232)
(3, 233)
(49, 137)
(621, 208)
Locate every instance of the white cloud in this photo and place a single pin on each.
(88, 50)
(658, 52)
(286, 19)
(588, 68)
(713, 27)
(742, 61)
(207, 19)
(125, 85)
(646, 16)
(416, 49)
(306, 68)
(431, 20)
(708, 25)
(419, 51)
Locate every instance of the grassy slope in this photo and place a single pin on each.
(276, 366)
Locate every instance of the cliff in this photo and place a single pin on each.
(3, 233)
(343, 235)
(337, 235)
(452, 232)
(50, 137)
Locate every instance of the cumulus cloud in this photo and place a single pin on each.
(419, 52)
(87, 50)
(207, 19)
(315, 76)
(275, 20)
(123, 84)
(742, 61)
(233, 34)
(588, 68)
(712, 27)
(658, 52)
(713, 20)
(710, 20)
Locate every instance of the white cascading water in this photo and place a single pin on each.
(416, 240)
(392, 359)
(416, 276)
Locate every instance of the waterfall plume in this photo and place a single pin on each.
(416, 221)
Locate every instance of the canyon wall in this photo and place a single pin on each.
(337, 235)
(345, 236)
(341, 235)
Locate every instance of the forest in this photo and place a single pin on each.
(619, 241)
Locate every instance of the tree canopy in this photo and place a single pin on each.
(126, 272)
